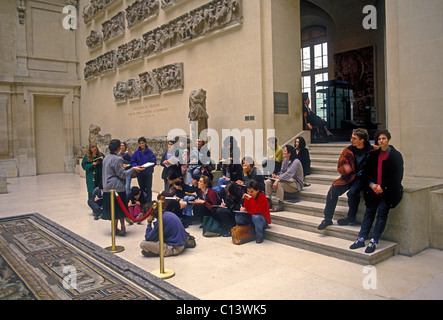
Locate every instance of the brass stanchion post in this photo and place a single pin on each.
(113, 248)
(162, 273)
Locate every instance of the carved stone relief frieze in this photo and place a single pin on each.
(93, 8)
(153, 82)
(94, 40)
(90, 10)
(210, 17)
(125, 90)
(162, 79)
(168, 3)
(141, 10)
(102, 64)
(130, 51)
(114, 26)
(214, 15)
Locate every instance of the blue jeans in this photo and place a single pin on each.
(368, 220)
(354, 189)
(187, 211)
(128, 185)
(258, 221)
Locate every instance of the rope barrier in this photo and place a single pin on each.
(129, 215)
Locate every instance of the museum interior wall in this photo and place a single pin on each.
(38, 64)
(129, 68)
(415, 83)
(222, 55)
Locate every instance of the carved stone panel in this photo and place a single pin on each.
(162, 79)
(94, 40)
(130, 51)
(102, 64)
(90, 10)
(93, 8)
(114, 26)
(141, 10)
(207, 18)
(149, 83)
(125, 90)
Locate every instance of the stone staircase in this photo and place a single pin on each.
(297, 225)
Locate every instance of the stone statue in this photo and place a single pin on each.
(197, 109)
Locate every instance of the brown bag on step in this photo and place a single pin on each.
(242, 234)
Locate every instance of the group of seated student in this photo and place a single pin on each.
(237, 199)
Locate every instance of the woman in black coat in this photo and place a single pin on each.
(303, 155)
(384, 174)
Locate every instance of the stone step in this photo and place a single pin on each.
(324, 169)
(323, 179)
(310, 223)
(325, 154)
(330, 246)
(311, 208)
(327, 147)
(326, 162)
(318, 193)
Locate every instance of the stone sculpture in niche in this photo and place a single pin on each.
(141, 10)
(94, 39)
(197, 109)
(114, 26)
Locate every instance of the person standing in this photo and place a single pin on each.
(92, 164)
(383, 177)
(126, 156)
(140, 157)
(114, 178)
(350, 165)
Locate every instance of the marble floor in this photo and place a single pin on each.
(217, 269)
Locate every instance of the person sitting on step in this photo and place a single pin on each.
(350, 165)
(255, 211)
(289, 179)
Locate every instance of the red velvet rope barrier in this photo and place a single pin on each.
(128, 214)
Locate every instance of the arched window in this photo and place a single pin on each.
(314, 66)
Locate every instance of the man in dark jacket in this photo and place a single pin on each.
(383, 176)
(350, 166)
(140, 157)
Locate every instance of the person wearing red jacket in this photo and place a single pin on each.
(256, 209)
(350, 166)
(207, 198)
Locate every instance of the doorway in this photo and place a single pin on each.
(49, 144)
(342, 64)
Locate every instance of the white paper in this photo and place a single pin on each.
(148, 164)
